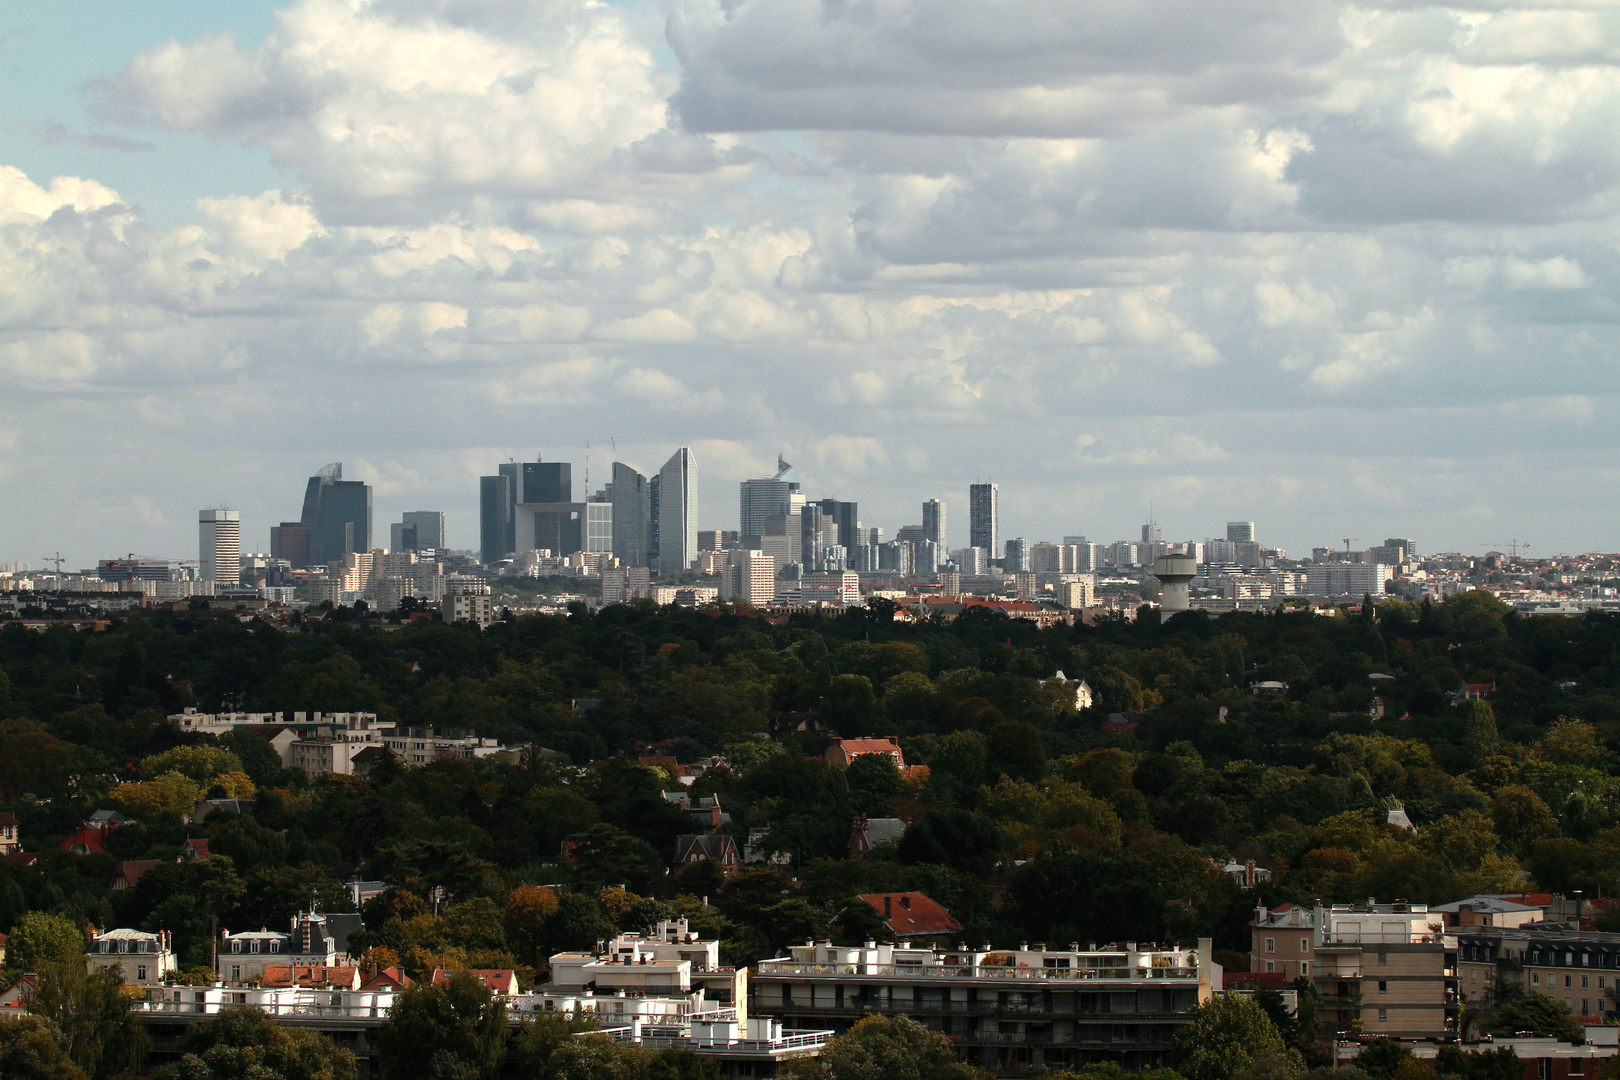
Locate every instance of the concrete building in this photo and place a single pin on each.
(750, 578)
(467, 599)
(1013, 1011)
(1384, 969)
(1240, 532)
(219, 546)
(139, 958)
(1016, 557)
(1331, 581)
(1174, 572)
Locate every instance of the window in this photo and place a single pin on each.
(1305, 968)
(1271, 966)
(1585, 979)
(1383, 1014)
(1271, 944)
(1383, 958)
(236, 946)
(1383, 987)
(1473, 974)
(1586, 1007)
(1543, 1068)
(1577, 1067)
(140, 973)
(236, 972)
(255, 945)
(1600, 982)
(1535, 978)
(1304, 944)
(1566, 980)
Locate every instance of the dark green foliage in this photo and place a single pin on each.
(457, 1030)
(246, 1044)
(32, 1048)
(92, 1014)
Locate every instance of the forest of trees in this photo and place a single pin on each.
(1097, 837)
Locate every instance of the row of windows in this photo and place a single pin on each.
(128, 946)
(1304, 945)
(236, 946)
(1569, 980)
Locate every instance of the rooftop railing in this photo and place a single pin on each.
(937, 971)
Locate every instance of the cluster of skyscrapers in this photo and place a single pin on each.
(640, 520)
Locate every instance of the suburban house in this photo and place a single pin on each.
(694, 848)
(912, 914)
(139, 958)
(846, 751)
(870, 832)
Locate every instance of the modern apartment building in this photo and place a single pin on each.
(676, 513)
(1013, 1011)
(219, 546)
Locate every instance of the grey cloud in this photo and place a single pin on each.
(1023, 68)
(58, 135)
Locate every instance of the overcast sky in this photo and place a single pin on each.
(1345, 270)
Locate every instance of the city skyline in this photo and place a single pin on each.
(462, 524)
(1227, 265)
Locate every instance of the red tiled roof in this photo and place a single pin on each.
(199, 846)
(7, 819)
(498, 980)
(389, 978)
(132, 869)
(92, 840)
(311, 975)
(909, 913)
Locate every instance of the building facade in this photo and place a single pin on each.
(1013, 1011)
(984, 516)
(677, 513)
(219, 546)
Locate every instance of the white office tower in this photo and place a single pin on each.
(677, 513)
(1240, 532)
(219, 546)
(750, 578)
(1174, 573)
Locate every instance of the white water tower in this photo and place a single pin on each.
(1174, 572)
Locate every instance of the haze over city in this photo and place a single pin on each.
(1338, 270)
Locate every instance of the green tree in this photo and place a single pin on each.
(1480, 739)
(455, 1031)
(32, 1048)
(1380, 1059)
(1228, 1036)
(1014, 749)
(598, 1057)
(1572, 742)
(245, 1044)
(1535, 1013)
(886, 1048)
(93, 1014)
(1522, 818)
(40, 938)
(848, 706)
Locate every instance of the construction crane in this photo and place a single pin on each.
(1348, 540)
(58, 560)
(1513, 546)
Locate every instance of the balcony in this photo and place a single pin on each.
(931, 971)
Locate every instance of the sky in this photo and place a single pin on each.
(1345, 270)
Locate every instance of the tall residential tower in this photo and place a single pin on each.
(219, 546)
(984, 517)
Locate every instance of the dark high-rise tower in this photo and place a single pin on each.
(677, 513)
(844, 515)
(984, 517)
(632, 516)
(496, 519)
(547, 482)
(337, 513)
(933, 525)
